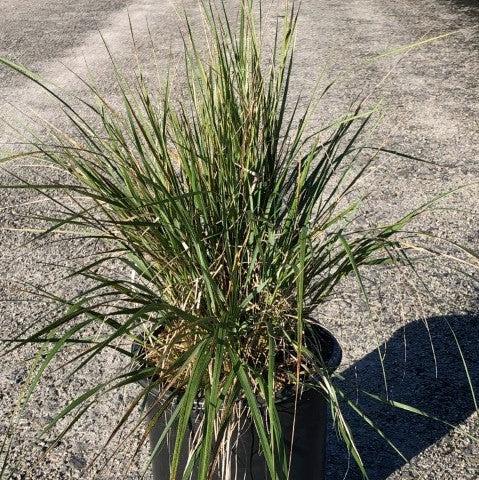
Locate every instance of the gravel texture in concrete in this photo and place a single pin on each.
(430, 97)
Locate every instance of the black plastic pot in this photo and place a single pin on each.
(309, 444)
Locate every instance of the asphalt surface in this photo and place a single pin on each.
(430, 97)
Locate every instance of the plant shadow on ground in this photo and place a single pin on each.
(411, 378)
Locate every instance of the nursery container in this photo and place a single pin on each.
(309, 443)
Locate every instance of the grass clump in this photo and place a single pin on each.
(236, 222)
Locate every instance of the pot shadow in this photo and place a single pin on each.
(472, 6)
(410, 370)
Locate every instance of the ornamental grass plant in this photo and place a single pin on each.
(235, 220)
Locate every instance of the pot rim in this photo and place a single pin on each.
(331, 364)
